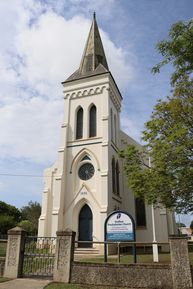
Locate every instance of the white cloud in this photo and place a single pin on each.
(2, 186)
(131, 128)
(29, 129)
(39, 51)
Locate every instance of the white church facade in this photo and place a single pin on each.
(87, 182)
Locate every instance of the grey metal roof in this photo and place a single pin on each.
(93, 61)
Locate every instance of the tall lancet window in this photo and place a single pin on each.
(140, 212)
(113, 176)
(117, 177)
(79, 123)
(92, 121)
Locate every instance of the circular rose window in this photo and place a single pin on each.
(86, 171)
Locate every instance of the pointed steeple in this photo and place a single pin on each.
(93, 53)
(93, 60)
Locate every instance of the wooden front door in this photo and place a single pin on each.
(85, 226)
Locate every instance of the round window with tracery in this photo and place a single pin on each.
(86, 171)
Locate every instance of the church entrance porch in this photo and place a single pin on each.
(85, 226)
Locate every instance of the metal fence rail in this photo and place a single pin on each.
(3, 236)
(3, 247)
(121, 252)
(39, 255)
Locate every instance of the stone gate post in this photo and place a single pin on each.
(64, 255)
(180, 264)
(14, 253)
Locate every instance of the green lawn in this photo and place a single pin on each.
(164, 258)
(3, 247)
(72, 286)
(125, 259)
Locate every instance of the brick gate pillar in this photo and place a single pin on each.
(180, 264)
(14, 253)
(64, 255)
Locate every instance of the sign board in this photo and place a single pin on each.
(119, 227)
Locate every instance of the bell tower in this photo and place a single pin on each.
(86, 183)
(81, 178)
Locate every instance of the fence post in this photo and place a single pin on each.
(64, 255)
(14, 253)
(180, 264)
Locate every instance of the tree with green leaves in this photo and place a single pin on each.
(169, 132)
(31, 214)
(27, 226)
(9, 217)
(178, 51)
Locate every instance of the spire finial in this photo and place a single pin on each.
(93, 53)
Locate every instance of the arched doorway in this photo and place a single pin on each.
(85, 226)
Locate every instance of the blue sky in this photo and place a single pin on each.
(42, 45)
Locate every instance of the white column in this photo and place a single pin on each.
(155, 245)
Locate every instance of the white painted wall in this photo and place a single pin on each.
(65, 194)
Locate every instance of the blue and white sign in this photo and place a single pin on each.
(120, 227)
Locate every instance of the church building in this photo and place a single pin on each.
(87, 181)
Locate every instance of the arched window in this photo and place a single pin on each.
(113, 176)
(79, 123)
(92, 121)
(117, 177)
(140, 212)
(86, 169)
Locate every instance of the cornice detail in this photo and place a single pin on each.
(85, 92)
(115, 99)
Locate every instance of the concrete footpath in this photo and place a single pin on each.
(25, 284)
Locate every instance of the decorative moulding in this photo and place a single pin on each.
(61, 149)
(105, 117)
(55, 211)
(64, 125)
(58, 177)
(104, 173)
(115, 99)
(104, 144)
(85, 92)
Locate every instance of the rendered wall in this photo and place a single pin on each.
(132, 276)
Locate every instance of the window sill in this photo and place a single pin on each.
(84, 139)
